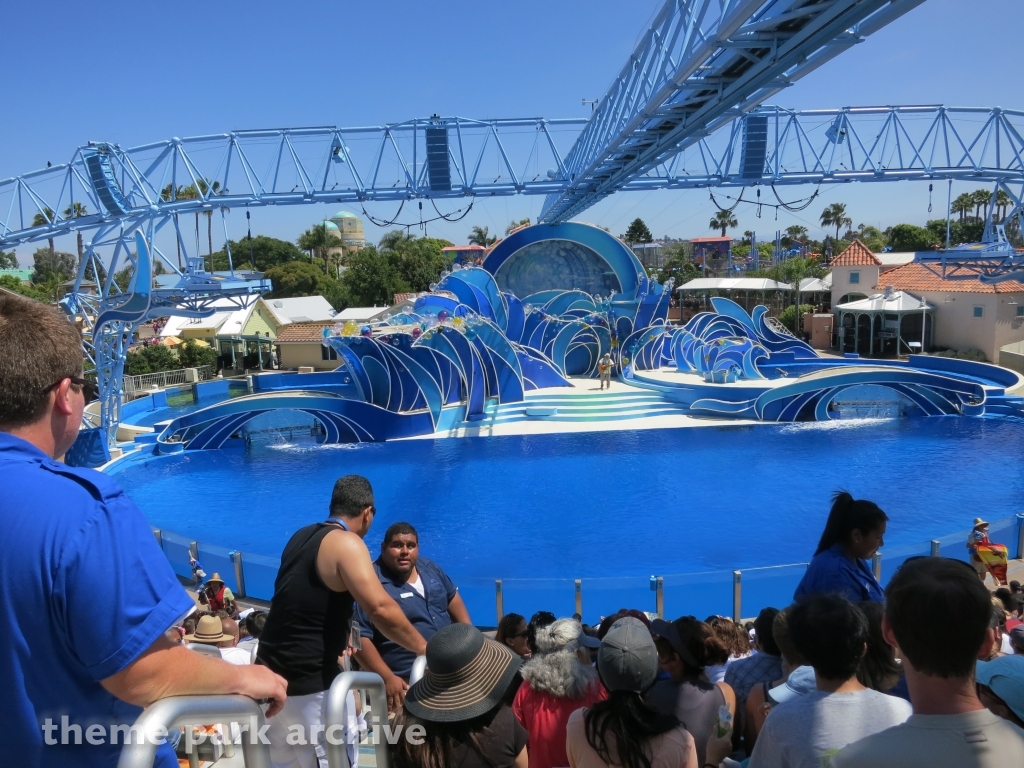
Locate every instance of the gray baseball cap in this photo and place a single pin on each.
(628, 660)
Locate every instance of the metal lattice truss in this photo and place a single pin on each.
(436, 157)
(701, 64)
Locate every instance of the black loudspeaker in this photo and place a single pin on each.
(439, 172)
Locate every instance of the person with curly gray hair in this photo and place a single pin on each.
(557, 681)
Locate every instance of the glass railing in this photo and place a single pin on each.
(740, 593)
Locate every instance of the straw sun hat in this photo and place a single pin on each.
(209, 630)
(467, 676)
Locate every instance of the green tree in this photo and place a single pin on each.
(907, 237)
(123, 278)
(792, 318)
(798, 232)
(1003, 201)
(723, 220)
(481, 236)
(680, 266)
(52, 266)
(192, 355)
(981, 198)
(260, 253)
(517, 224)
(77, 211)
(637, 232)
(319, 242)
(300, 278)
(41, 220)
(372, 278)
(873, 238)
(835, 216)
(167, 194)
(11, 283)
(967, 230)
(151, 359)
(963, 204)
(418, 261)
(8, 260)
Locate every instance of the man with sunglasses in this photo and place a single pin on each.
(86, 595)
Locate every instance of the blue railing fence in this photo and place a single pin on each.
(740, 593)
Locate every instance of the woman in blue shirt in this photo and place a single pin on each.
(853, 533)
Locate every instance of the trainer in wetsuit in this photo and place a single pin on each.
(325, 568)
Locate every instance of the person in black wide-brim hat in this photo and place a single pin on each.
(460, 704)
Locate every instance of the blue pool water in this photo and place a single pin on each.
(608, 503)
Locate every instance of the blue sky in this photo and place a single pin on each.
(135, 72)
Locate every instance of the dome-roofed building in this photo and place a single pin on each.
(350, 229)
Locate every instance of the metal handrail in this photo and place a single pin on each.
(177, 711)
(419, 667)
(373, 684)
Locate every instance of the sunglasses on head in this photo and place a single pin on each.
(90, 389)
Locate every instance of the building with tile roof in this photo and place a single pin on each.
(857, 270)
(969, 314)
(300, 345)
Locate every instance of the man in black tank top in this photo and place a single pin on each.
(325, 568)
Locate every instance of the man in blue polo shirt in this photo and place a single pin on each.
(86, 595)
(427, 597)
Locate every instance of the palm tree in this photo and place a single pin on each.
(77, 211)
(319, 242)
(981, 198)
(835, 216)
(167, 194)
(41, 220)
(214, 187)
(481, 236)
(962, 204)
(1003, 202)
(517, 225)
(723, 220)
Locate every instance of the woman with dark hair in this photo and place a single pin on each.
(853, 533)
(513, 632)
(878, 669)
(685, 648)
(623, 730)
(459, 705)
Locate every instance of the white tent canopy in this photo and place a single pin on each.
(895, 302)
(734, 284)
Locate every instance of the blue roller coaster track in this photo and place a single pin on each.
(686, 111)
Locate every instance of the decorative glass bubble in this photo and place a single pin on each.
(406, 311)
(433, 286)
(456, 267)
(387, 317)
(527, 308)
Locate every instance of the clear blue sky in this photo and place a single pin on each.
(134, 72)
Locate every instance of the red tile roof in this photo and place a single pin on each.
(917, 278)
(301, 333)
(718, 239)
(856, 254)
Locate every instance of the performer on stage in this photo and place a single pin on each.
(986, 557)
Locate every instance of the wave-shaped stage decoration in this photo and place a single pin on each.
(468, 348)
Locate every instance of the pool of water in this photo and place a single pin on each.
(603, 504)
